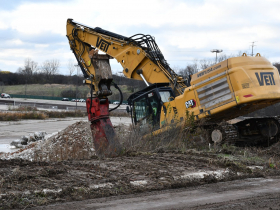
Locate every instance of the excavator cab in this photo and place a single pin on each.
(145, 105)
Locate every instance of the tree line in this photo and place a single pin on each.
(199, 65)
(48, 73)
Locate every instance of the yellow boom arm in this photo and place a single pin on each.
(139, 56)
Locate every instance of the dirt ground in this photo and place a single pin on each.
(28, 184)
(242, 194)
(58, 178)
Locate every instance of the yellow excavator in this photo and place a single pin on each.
(224, 91)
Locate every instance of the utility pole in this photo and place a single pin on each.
(216, 51)
(253, 48)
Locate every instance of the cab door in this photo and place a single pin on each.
(146, 108)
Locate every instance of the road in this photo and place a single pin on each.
(10, 131)
(48, 104)
(257, 193)
(14, 130)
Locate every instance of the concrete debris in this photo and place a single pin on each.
(139, 183)
(25, 140)
(17, 143)
(74, 142)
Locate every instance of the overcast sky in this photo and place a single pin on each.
(184, 29)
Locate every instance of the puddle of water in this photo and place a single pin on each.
(7, 148)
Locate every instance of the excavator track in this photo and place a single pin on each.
(221, 133)
(226, 133)
(231, 133)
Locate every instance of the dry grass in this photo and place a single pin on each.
(177, 137)
(29, 113)
(63, 114)
(42, 89)
(23, 108)
(6, 116)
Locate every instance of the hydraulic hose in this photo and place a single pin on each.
(91, 87)
(121, 96)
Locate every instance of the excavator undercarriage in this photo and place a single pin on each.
(245, 131)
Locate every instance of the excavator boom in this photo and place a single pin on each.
(139, 55)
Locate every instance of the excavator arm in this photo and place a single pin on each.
(139, 56)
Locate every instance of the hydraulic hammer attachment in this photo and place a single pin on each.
(105, 139)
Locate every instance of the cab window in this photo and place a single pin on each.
(141, 109)
(166, 96)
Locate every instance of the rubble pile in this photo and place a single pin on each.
(26, 140)
(74, 142)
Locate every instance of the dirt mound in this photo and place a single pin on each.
(273, 150)
(74, 142)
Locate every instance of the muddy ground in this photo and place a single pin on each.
(28, 184)
(242, 194)
(56, 177)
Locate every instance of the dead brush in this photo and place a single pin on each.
(63, 114)
(30, 113)
(177, 136)
(23, 108)
(6, 116)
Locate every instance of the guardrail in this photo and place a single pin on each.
(51, 98)
(13, 103)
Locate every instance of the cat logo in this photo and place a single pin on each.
(102, 44)
(265, 78)
(191, 103)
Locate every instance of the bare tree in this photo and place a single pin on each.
(19, 70)
(189, 70)
(223, 57)
(50, 67)
(204, 64)
(71, 67)
(30, 67)
(277, 65)
(80, 73)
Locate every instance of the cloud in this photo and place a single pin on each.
(184, 30)
(11, 5)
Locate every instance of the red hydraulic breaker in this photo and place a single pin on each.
(105, 140)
